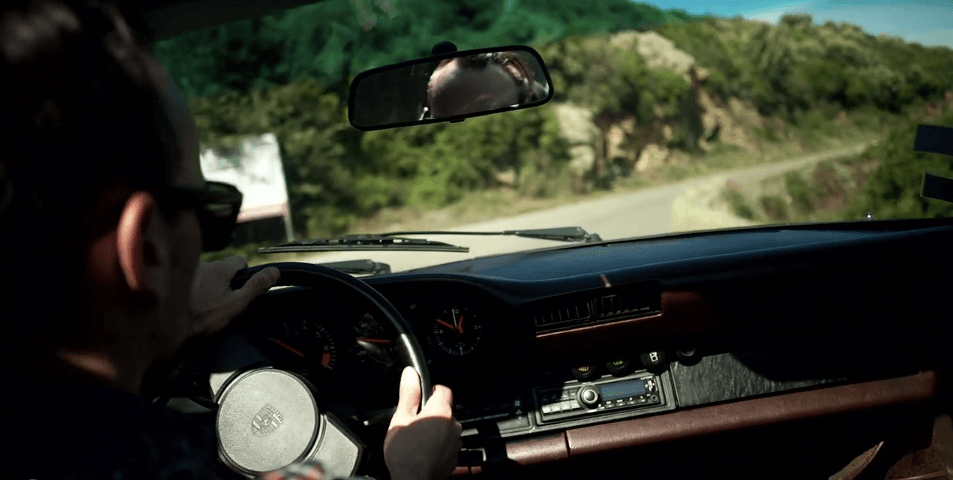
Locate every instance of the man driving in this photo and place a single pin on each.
(104, 213)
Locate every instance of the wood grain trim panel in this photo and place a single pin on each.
(752, 413)
(683, 313)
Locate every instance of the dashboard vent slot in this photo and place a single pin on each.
(569, 313)
(624, 305)
(595, 306)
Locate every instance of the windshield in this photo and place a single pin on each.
(664, 119)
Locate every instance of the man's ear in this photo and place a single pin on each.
(137, 251)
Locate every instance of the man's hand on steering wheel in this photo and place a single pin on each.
(214, 303)
(425, 445)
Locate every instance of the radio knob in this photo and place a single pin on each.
(589, 397)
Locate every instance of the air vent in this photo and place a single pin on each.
(570, 313)
(627, 304)
(595, 306)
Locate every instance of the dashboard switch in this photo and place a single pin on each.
(688, 357)
(653, 360)
(584, 372)
(619, 367)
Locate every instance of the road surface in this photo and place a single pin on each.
(675, 207)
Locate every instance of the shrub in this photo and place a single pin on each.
(774, 207)
(737, 204)
(800, 191)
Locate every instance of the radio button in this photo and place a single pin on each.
(630, 402)
(566, 406)
(556, 407)
(574, 404)
(564, 395)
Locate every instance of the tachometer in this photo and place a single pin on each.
(306, 343)
(457, 331)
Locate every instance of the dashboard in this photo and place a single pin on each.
(569, 352)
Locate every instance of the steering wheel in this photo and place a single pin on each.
(268, 418)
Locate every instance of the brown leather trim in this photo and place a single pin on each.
(683, 313)
(752, 413)
(538, 450)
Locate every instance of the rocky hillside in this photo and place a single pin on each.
(631, 145)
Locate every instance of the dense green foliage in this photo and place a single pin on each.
(328, 41)
(798, 65)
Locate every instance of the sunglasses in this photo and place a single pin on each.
(216, 204)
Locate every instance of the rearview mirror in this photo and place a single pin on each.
(449, 87)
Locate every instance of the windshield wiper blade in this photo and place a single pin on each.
(559, 234)
(394, 241)
(364, 242)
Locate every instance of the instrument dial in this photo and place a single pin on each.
(305, 343)
(373, 345)
(457, 331)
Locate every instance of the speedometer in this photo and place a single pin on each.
(374, 344)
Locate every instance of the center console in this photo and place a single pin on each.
(569, 403)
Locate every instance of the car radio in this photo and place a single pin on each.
(579, 399)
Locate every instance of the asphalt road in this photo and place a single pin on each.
(675, 207)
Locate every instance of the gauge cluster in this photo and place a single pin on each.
(340, 343)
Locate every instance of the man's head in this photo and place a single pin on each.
(95, 245)
(479, 83)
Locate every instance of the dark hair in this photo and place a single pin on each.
(82, 124)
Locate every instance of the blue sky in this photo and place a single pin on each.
(926, 22)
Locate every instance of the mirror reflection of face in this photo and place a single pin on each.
(456, 89)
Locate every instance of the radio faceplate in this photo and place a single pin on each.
(607, 395)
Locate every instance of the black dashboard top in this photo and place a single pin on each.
(676, 258)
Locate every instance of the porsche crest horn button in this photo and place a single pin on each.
(267, 420)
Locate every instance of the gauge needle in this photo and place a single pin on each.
(451, 327)
(287, 347)
(460, 324)
(374, 340)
